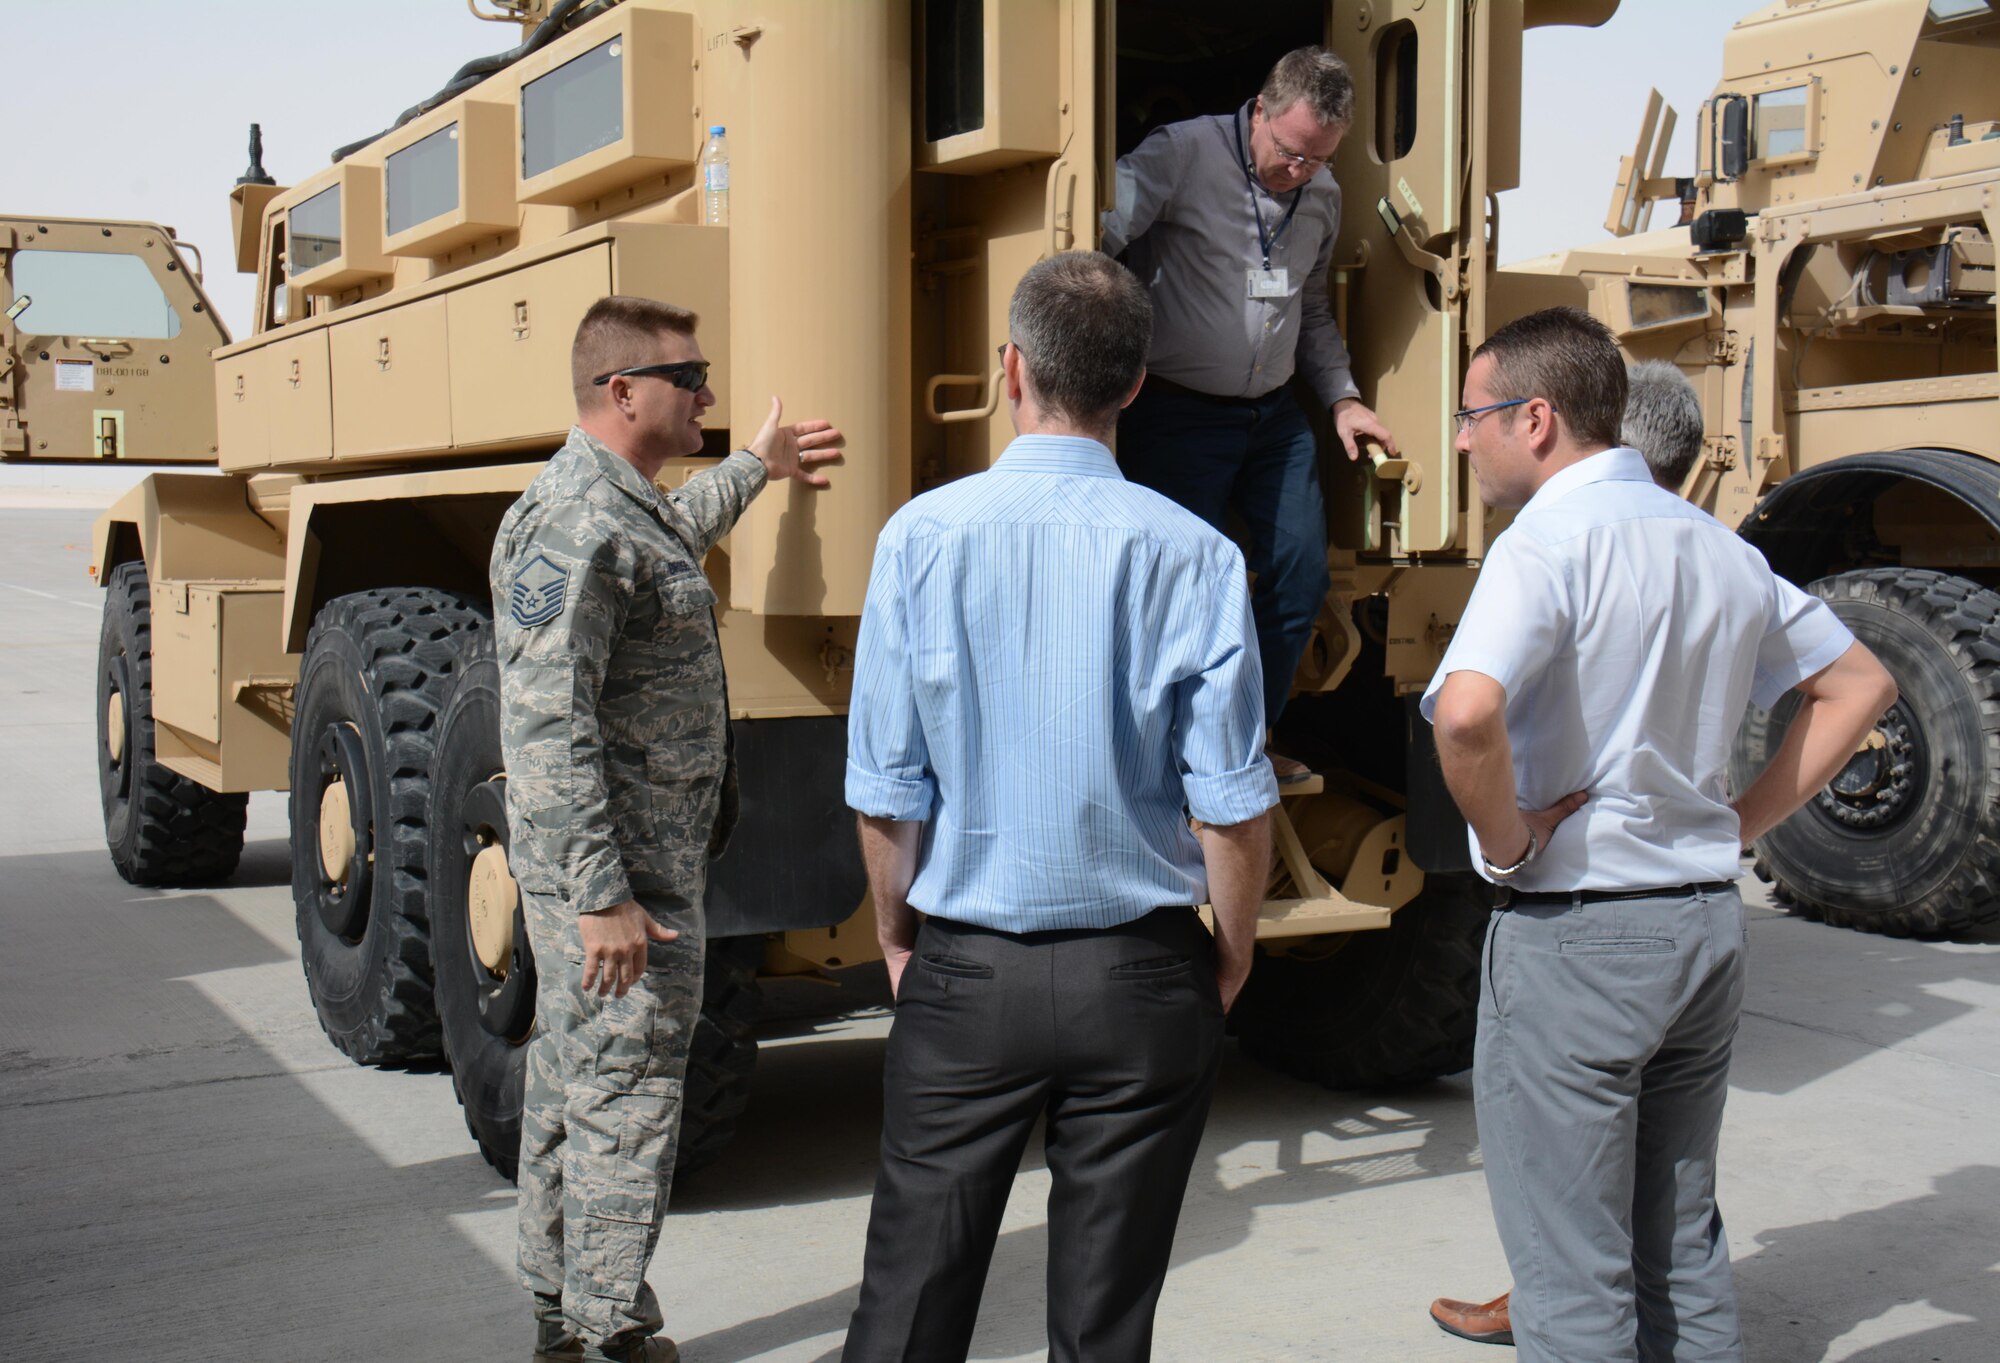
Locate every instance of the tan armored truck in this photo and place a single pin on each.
(318, 620)
(105, 336)
(1829, 288)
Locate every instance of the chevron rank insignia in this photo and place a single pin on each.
(540, 589)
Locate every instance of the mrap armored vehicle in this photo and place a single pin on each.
(317, 619)
(1828, 286)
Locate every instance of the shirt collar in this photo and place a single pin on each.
(1075, 455)
(1619, 464)
(615, 469)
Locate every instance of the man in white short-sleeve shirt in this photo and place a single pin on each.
(1585, 712)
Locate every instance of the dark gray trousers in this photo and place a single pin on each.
(1115, 1036)
(1600, 1073)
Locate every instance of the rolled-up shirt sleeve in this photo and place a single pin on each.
(1517, 621)
(888, 762)
(1219, 715)
(1804, 636)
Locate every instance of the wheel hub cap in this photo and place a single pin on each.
(1876, 785)
(491, 900)
(114, 726)
(336, 832)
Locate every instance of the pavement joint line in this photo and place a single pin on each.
(1870, 1044)
(48, 596)
(342, 1066)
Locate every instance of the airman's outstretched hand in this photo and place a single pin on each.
(795, 451)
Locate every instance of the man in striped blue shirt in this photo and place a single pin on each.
(1056, 669)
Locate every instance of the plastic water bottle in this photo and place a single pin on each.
(715, 179)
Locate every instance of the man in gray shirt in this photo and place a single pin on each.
(1230, 220)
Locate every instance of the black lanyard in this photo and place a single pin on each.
(1269, 243)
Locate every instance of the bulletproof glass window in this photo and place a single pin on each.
(576, 108)
(88, 293)
(1396, 91)
(1661, 305)
(422, 180)
(954, 68)
(1942, 10)
(1779, 120)
(315, 232)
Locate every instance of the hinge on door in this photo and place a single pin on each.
(382, 354)
(521, 319)
(1722, 347)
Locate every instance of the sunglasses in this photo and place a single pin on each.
(689, 375)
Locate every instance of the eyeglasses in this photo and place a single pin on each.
(1299, 161)
(688, 375)
(1467, 415)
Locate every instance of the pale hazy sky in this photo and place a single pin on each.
(139, 109)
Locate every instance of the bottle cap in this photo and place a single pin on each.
(716, 130)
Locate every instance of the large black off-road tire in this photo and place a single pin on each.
(1906, 839)
(378, 667)
(162, 828)
(485, 968)
(486, 1011)
(723, 1055)
(1374, 1010)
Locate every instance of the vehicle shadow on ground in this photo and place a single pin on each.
(1808, 1286)
(1296, 1132)
(178, 1179)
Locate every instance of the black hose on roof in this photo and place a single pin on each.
(565, 14)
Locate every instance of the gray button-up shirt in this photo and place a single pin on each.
(1184, 211)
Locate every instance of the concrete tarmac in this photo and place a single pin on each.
(193, 1173)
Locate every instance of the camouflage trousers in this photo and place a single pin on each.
(601, 1121)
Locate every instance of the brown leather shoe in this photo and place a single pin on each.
(1484, 1324)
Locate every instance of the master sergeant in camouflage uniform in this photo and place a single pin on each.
(614, 726)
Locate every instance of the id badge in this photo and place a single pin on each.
(1270, 283)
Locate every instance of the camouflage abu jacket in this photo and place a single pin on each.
(614, 719)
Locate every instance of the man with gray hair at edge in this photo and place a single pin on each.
(1055, 671)
(1585, 710)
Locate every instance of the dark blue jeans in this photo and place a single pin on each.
(1257, 457)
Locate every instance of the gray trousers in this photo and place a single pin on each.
(1600, 1073)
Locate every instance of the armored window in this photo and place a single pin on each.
(423, 180)
(1396, 91)
(1779, 121)
(576, 108)
(315, 232)
(1944, 10)
(954, 68)
(88, 293)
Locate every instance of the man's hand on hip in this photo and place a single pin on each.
(794, 451)
(1352, 420)
(614, 946)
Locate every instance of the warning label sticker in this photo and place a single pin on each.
(76, 376)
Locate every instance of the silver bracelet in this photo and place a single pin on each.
(1508, 872)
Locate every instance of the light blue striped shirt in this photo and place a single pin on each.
(1056, 667)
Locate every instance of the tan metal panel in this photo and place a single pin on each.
(510, 358)
(390, 391)
(243, 409)
(187, 652)
(297, 377)
(1414, 362)
(821, 317)
(687, 266)
(222, 684)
